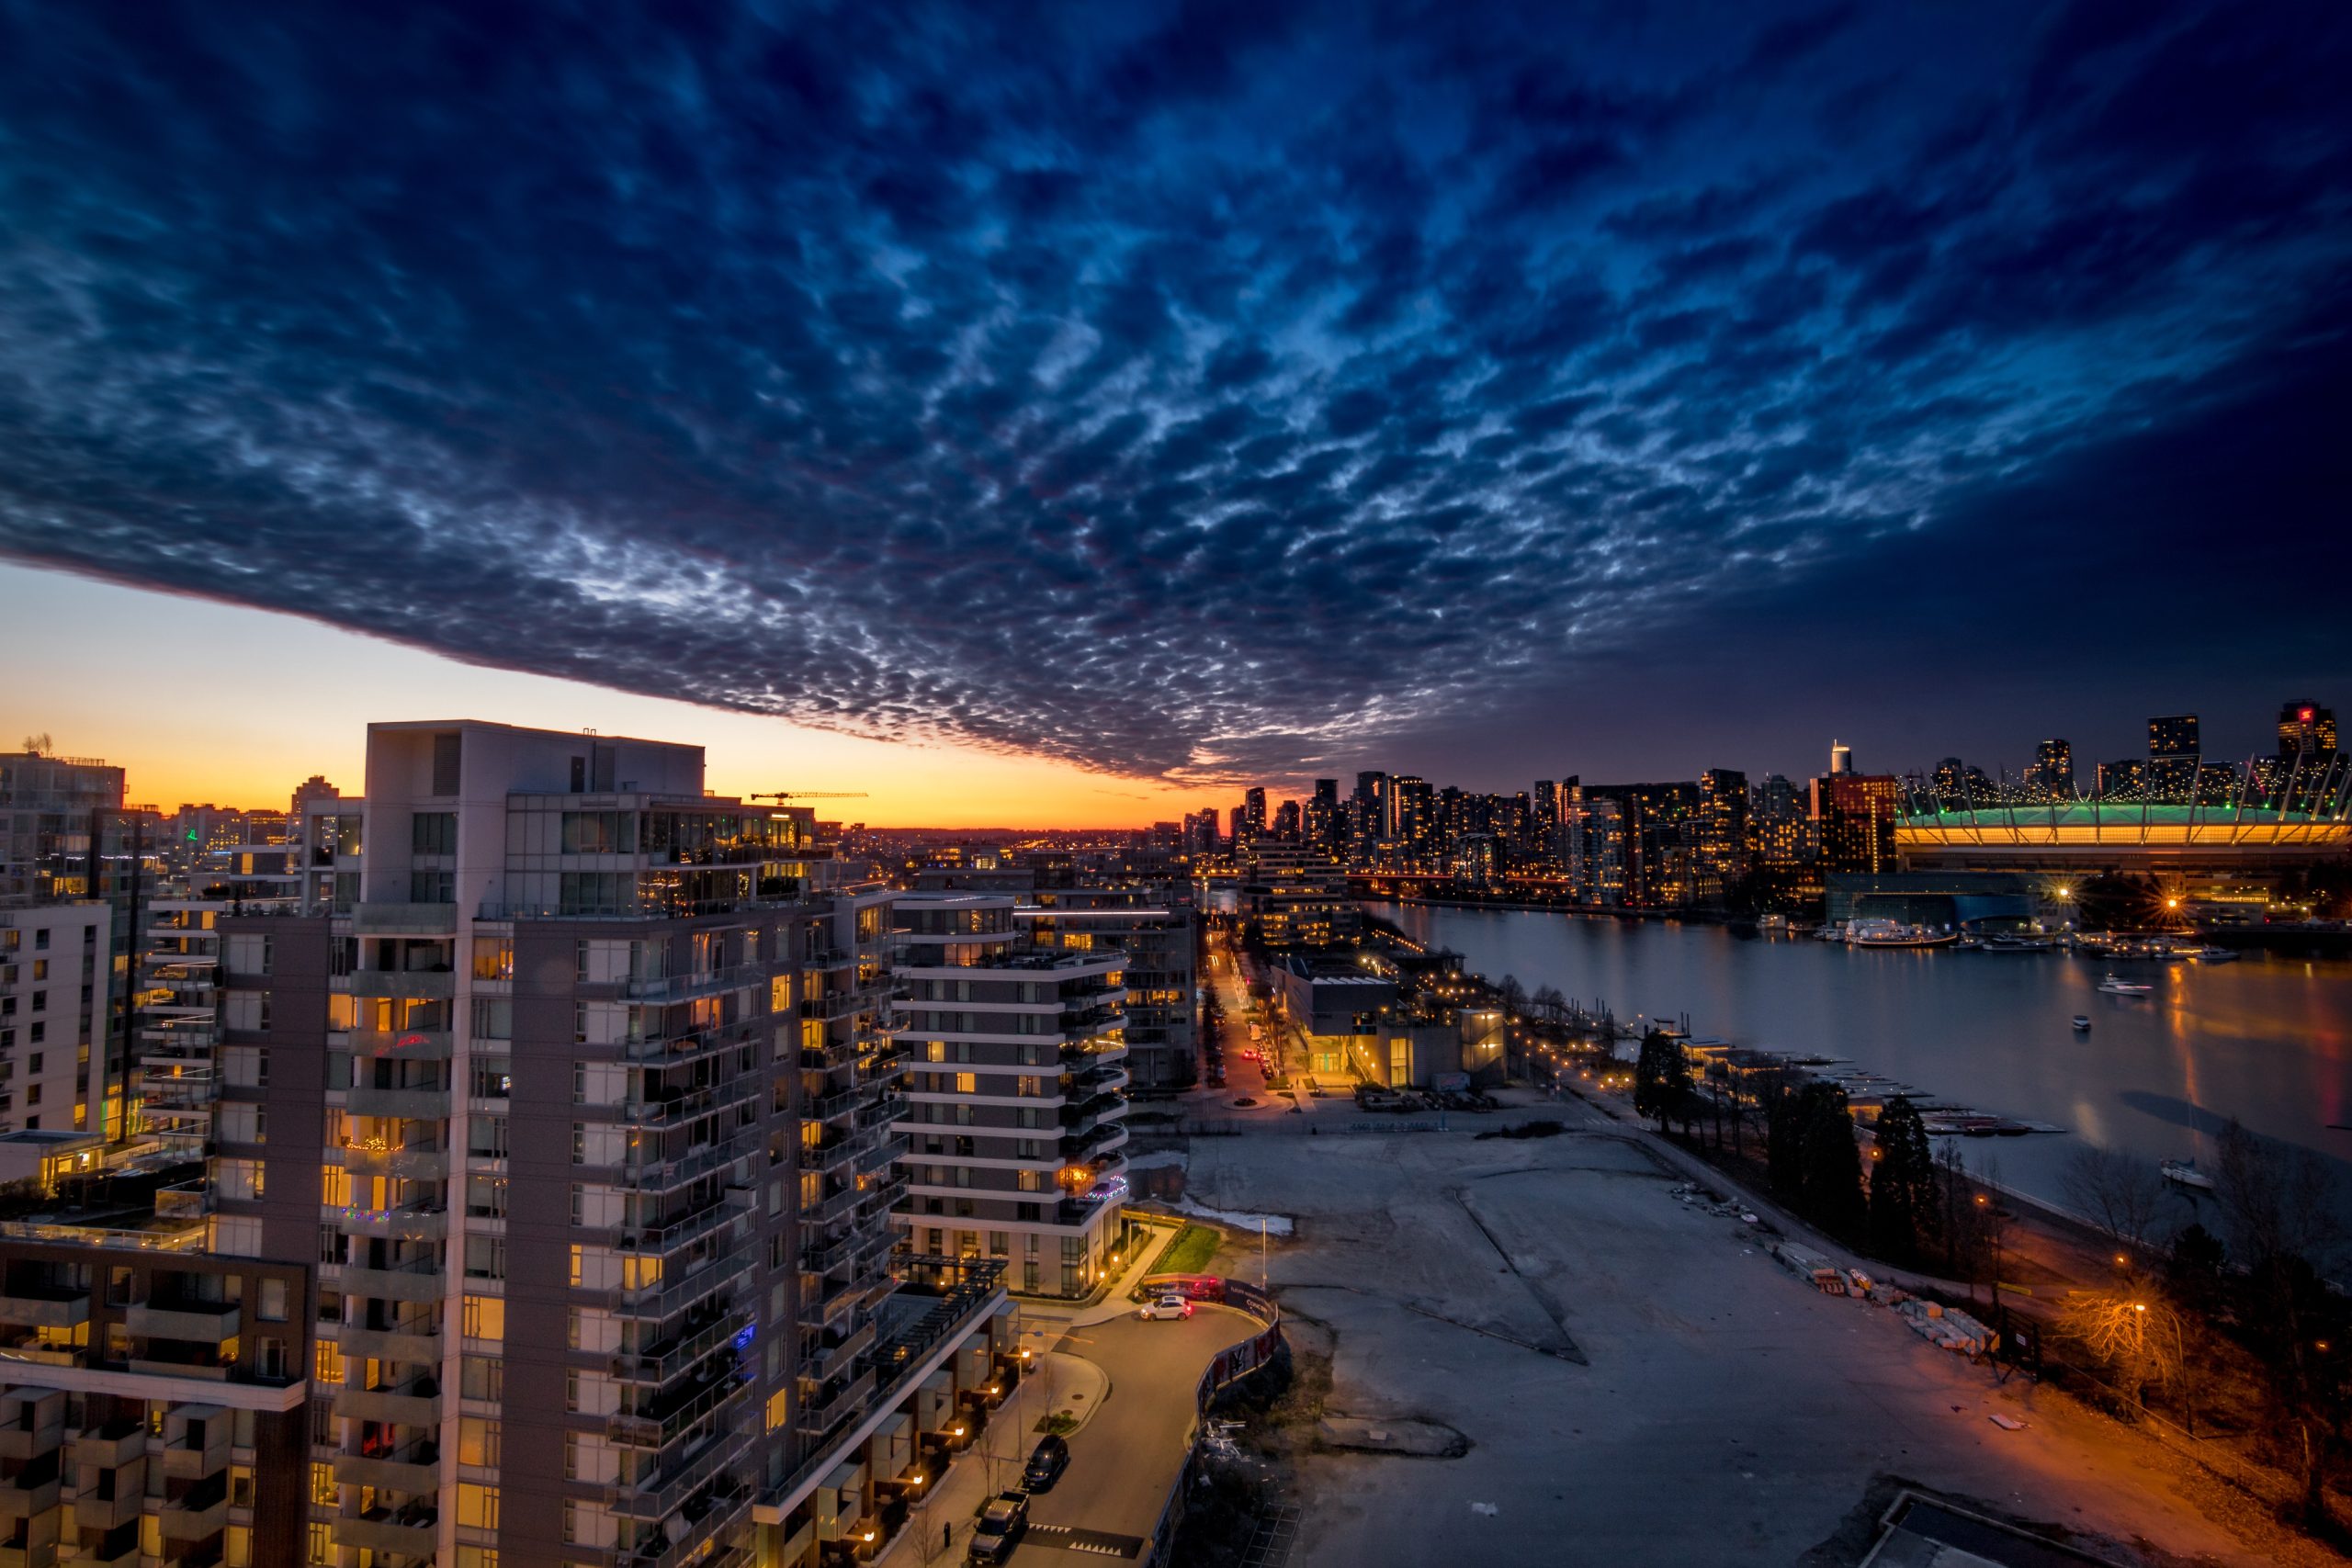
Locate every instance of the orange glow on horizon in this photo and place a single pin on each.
(202, 702)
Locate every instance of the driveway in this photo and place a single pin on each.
(1124, 1459)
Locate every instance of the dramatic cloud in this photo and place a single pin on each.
(1182, 390)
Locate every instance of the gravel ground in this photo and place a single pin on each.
(1636, 1380)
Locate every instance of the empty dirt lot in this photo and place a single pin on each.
(1637, 1380)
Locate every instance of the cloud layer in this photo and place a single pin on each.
(1186, 390)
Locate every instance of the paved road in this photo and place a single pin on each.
(1122, 1461)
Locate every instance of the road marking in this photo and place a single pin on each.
(1101, 1542)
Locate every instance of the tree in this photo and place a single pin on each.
(1960, 1215)
(1830, 1169)
(1783, 1144)
(2286, 1230)
(1661, 1078)
(1903, 1200)
(2195, 1273)
(2121, 1194)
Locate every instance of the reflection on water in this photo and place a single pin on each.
(2266, 1040)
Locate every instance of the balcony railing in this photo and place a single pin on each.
(679, 987)
(973, 1288)
(672, 1416)
(660, 1363)
(662, 1494)
(672, 1297)
(668, 1237)
(703, 1520)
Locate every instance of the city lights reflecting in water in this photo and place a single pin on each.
(2267, 1040)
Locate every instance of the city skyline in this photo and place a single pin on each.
(242, 757)
(1803, 371)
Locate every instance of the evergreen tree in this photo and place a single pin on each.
(1904, 1206)
(1782, 1141)
(2197, 1272)
(1661, 1078)
(1830, 1169)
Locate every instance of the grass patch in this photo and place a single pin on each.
(1060, 1424)
(1189, 1252)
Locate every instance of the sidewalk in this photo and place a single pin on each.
(1061, 1380)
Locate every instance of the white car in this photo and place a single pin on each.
(1166, 1307)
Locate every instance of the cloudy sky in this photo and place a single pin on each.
(1206, 391)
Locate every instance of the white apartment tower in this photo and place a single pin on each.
(1017, 1110)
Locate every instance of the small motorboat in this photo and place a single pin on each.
(2115, 987)
(2081, 1023)
(2184, 1172)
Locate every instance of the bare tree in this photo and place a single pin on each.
(925, 1532)
(2278, 1202)
(2123, 1194)
(37, 745)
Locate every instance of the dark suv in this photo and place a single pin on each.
(1046, 1464)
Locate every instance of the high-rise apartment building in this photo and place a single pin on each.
(1655, 816)
(1368, 817)
(2306, 730)
(56, 1029)
(1722, 820)
(1853, 816)
(2053, 770)
(2173, 749)
(1592, 848)
(1154, 925)
(1326, 826)
(546, 1212)
(1413, 825)
(1293, 895)
(2124, 780)
(52, 815)
(1018, 1111)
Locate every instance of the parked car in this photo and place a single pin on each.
(1047, 1462)
(1166, 1307)
(1002, 1524)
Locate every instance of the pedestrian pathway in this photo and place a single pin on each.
(1063, 1382)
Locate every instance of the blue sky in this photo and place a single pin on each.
(1209, 392)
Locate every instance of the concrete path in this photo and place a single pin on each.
(1065, 1382)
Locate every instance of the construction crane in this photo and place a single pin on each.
(783, 794)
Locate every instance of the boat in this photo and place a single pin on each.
(2184, 1172)
(2211, 955)
(2017, 944)
(2081, 1023)
(1895, 933)
(2115, 987)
